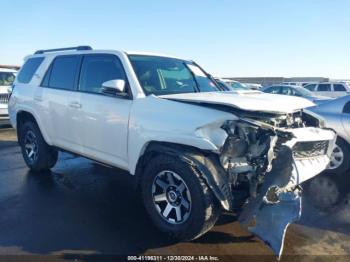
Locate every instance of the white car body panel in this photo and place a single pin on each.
(161, 120)
(250, 101)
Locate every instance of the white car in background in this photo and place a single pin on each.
(252, 86)
(7, 76)
(330, 89)
(235, 85)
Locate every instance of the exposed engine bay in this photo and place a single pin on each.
(262, 172)
(261, 162)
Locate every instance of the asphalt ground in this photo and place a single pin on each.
(81, 209)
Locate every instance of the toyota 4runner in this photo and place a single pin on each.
(193, 151)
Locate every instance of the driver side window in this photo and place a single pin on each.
(97, 69)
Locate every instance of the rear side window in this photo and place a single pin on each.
(97, 69)
(346, 109)
(339, 87)
(274, 90)
(324, 87)
(310, 87)
(28, 69)
(288, 91)
(63, 73)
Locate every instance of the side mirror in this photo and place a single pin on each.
(114, 87)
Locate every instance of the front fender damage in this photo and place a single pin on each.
(277, 205)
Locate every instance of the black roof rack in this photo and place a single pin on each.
(78, 48)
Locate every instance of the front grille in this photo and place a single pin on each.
(4, 98)
(310, 149)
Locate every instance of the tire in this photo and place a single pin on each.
(324, 192)
(37, 154)
(340, 164)
(200, 213)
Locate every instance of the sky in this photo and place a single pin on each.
(237, 38)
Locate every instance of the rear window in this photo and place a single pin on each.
(339, 87)
(324, 87)
(63, 73)
(28, 69)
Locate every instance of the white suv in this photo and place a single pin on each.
(7, 76)
(193, 151)
(330, 89)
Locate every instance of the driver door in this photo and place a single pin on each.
(102, 123)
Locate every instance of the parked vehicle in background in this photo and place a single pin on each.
(297, 83)
(336, 114)
(235, 85)
(330, 89)
(252, 86)
(7, 77)
(295, 91)
(330, 188)
(223, 86)
(193, 151)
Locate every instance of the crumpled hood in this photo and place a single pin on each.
(246, 100)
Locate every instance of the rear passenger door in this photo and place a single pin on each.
(325, 90)
(339, 90)
(61, 100)
(102, 122)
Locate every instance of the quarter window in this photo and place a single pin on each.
(28, 69)
(63, 72)
(324, 87)
(97, 69)
(347, 108)
(339, 87)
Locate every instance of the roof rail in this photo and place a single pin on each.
(78, 48)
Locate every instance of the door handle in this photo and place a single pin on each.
(75, 105)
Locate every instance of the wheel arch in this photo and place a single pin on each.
(24, 115)
(206, 163)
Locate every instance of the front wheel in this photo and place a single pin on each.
(37, 154)
(177, 199)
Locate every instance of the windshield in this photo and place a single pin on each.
(163, 76)
(6, 78)
(303, 91)
(237, 86)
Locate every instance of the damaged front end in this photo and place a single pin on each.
(265, 160)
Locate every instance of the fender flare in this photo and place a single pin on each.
(205, 163)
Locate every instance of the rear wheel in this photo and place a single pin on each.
(177, 199)
(37, 154)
